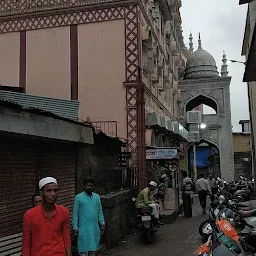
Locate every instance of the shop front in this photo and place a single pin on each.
(166, 140)
(163, 167)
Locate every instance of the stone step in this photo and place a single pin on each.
(168, 216)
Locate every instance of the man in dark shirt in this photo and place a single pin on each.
(187, 190)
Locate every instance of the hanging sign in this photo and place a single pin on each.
(161, 153)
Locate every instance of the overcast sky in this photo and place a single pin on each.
(221, 24)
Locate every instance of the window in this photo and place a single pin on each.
(246, 127)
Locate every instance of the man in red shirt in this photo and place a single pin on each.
(46, 227)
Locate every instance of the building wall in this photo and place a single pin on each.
(101, 68)
(243, 164)
(162, 57)
(242, 154)
(251, 86)
(9, 58)
(241, 142)
(119, 212)
(48, 65)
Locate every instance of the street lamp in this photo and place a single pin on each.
(237, 61)
(202, 126)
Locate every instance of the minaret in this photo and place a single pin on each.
(199, 43)
(224, 66)
(191, 48)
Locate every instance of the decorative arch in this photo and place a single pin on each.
(211, 143)
(201, 99)
(215, 169)
(219, 135)
(214, 95)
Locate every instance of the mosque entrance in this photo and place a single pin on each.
(207, 159)
(205, 107)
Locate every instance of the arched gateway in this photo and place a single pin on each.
(203, 85)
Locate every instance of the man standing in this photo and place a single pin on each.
(46, 226)
(187, 190)
(213, 185)
(88, 219)
(203, 188)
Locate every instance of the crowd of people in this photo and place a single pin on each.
(203, 186)
(46, 227)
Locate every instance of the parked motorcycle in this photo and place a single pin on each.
(226, 209)
(147, 225)
(223, 241)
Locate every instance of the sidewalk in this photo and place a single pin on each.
(180, 238)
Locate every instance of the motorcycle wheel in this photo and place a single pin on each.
(147, 237)
(202, 226)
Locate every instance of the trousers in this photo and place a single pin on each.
(187, 205)
(202, 198)
(87, 253)
(155, 210)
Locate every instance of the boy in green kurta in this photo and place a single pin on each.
(88, 220)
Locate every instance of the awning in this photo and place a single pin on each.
(165, 124)
(17, 121)
(250, 69)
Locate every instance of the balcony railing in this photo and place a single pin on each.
(109, 127)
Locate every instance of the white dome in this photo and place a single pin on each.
(200, 64)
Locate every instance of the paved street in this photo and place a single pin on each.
(177, 239)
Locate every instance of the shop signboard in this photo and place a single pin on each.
(161, 153)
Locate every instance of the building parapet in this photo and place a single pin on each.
(22, 7)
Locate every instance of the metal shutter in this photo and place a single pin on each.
(17, 183)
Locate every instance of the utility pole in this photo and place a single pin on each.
(195, 167)
(141, 127)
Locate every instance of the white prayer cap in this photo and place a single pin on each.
(163, 176)
(153, 184)
(46, 181)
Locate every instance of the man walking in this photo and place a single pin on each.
(213, 185)
(88, 219)
(203, 188)
(46, 226)
(187, 190)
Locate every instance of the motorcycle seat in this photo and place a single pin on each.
(247, 213)
(245, 204)
(145, 210)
